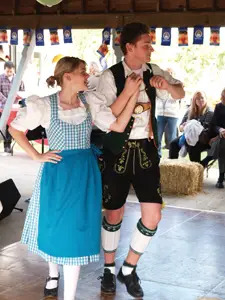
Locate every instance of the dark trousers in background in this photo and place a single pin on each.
(193, 151)
(7, 139)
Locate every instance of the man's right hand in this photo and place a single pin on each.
(132, 84)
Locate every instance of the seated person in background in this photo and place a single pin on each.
(6, 80)
(217, 151)
(200, 111)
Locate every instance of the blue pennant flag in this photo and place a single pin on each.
(166, 36)
(198, 35)
(67, 35)
(40, 37)
(14, 36)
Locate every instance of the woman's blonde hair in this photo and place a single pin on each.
(66, 64)
(194, 111)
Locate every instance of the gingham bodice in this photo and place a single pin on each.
(65, 136)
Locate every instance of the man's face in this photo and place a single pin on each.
(141, 51)
(9, 72)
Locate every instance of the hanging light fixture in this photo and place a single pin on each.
(49, 3)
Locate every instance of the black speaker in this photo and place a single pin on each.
(9, 196)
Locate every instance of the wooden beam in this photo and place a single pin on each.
(14, 7)
(215, 7)
(37, 8)
(60, 8)
(187, 5)
(132, 6)
(78, 21)
(176, 19)
(92, 21)
(83, 6)
(107, 6)
(159, 5)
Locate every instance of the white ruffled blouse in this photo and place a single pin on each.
(38, 112)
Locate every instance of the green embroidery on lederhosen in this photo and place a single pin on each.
(101, 164)
(159, 190)
(105, 194)
(120, 165)
(145, 162)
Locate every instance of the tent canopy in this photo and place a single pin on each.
(113, 13)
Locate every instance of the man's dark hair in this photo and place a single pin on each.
(131, 33)
(9, 64)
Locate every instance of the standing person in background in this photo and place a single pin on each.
(64, 216)
(6, 80)
(167, 117)
(132, 157)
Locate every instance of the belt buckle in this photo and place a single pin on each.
(139, 108)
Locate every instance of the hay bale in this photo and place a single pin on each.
(181, 177)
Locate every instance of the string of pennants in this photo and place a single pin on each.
(39, 34)
(198, 36)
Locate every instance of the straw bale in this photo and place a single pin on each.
(181, 177)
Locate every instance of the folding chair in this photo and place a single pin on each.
(36, 134)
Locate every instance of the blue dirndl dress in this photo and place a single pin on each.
(63, 221)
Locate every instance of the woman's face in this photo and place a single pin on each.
(200, 100)
(78, 78)
(223, 97)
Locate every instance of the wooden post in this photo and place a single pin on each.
(26, 55)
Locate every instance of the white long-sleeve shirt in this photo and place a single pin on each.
(107, 87)
(38, 112)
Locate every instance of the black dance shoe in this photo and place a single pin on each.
(132, 283)
(51, 292)
(220, 185)
(108, 282)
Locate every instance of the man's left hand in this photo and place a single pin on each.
(159, 82)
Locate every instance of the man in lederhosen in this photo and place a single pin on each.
(131, 157)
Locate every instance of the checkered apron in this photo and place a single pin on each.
(71, 139)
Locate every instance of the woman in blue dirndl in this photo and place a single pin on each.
(64, 216)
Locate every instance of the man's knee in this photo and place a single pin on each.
(114, 216)
(151, 220)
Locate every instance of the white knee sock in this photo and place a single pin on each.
(141, 238)
(71, 275)
(110, 236)
(53, 272)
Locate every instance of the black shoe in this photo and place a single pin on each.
(7, 150)
(51, 292)
(132, 283)
(108, 282)
(220, 185)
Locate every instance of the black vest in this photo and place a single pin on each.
(115, 141)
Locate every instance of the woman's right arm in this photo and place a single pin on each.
(132, 82)
(122, 120)
(21, 139)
